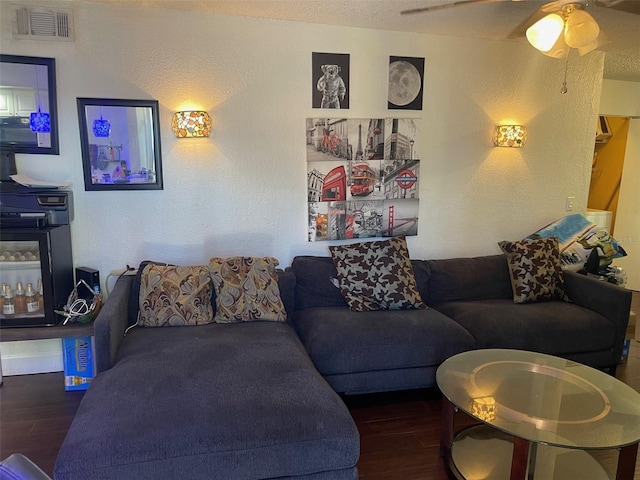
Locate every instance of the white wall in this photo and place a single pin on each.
(243, 190)
(623, 99)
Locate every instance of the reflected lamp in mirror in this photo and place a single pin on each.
(40, 122)
(510, 136)
(101, 127)
(123, 152)
(191, 124)
(28, 110)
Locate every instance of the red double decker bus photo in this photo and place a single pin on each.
(363, 179)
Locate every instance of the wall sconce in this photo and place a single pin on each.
(510, 136)
(191, 124)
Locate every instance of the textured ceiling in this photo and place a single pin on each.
(493, 19)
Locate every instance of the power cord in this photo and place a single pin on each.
(127, 270)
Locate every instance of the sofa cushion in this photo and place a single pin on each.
(341, 341)
(315, 282)
(174, 296)
(376, 275)
(228, 401)
(246, 289)
(535, 269)
(477, 278)
(554, 327)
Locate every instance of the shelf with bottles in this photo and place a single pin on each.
(19, 257)
(23, 301)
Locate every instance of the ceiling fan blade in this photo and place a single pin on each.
(443, 6)
(602, 40)
(628, 6)
(546, 9)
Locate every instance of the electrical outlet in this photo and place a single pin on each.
(570, 204)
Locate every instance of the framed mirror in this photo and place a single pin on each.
(28, 108)
(120, 141)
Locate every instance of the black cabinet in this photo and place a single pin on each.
(30, 256)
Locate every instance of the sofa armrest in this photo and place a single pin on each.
(610, 301)
(111, 323)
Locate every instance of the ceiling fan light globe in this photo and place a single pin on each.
(581, 29)
(544, 34)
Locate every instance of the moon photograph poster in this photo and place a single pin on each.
(362, 177)
(405, 83)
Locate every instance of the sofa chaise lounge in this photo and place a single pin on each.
(224, 401)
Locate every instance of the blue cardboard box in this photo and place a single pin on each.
(79, 362)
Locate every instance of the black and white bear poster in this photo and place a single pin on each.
(405, 83)
(330, 80)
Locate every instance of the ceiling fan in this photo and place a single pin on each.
(556, 27)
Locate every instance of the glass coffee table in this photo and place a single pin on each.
(539, 416)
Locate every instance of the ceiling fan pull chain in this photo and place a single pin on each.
(564, 89)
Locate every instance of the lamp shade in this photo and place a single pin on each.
(191, 124)
(545, 32)
(40, 122)
(581, 29)
(483, 408)
(101, 127)
(510, 136)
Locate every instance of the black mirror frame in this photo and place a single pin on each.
(50, 63)
(84, 143)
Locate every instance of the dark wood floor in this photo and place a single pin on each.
(400, 432)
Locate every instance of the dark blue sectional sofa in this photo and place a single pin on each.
(258, 400)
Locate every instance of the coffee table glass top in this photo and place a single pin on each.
(543, 399)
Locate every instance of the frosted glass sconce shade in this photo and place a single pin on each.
(569, 27)
(581, 29)
(40, 122)
(545, 32)
(191, 124)
(510, 136)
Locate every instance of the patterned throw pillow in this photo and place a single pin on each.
(377, 275)
(246, 289)
(535, 269)
(174, 296)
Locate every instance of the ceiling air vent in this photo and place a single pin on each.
(42, 23)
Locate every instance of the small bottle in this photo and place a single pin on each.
(40, 297)
(2, 298)
(9, 307)
(20, 301)
(32, 299)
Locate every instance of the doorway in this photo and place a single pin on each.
(615, 187)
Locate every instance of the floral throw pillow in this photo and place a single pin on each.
(377, 275)
(246, 289)
(174, 296)
(535, 269)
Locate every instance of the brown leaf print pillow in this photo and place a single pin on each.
(377, 275)
(535, 269)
